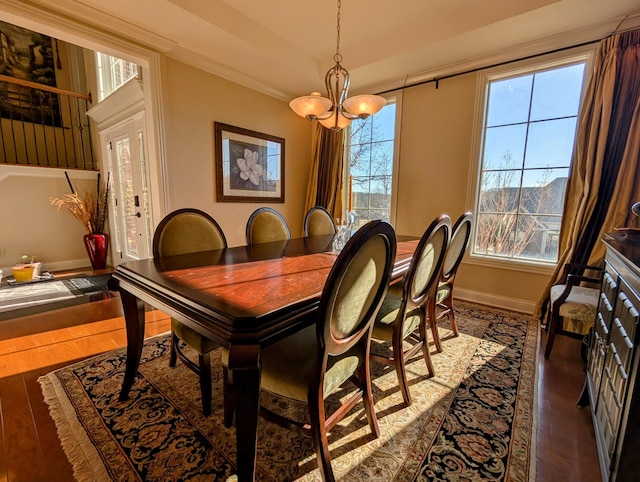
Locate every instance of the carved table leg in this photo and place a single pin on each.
(134, 317)
(244, 361)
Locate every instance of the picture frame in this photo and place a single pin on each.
(28, 55)
(249, 165)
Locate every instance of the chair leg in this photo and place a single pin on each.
(448, 302)
(427, 359)
(436, 335)
(228, 405)
(430, 317)
(205, 382)
(551, 335)
(319, 434)
(425, 343)
(173, 351)
(367, 398)
(401, 372)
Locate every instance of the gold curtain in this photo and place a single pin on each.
(604, 178)
(325, 184)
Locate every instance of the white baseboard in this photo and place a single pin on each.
(514, 304)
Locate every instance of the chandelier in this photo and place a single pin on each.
(337, 111)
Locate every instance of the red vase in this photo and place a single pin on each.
(97, 247)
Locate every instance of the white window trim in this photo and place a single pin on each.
(395, 172)
(581, 54)
(395, 97)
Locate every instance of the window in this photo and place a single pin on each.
(529, 125)
(371, 154)
(113, 73)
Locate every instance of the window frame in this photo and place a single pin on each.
(105, 74)
(529, 66)
(393, 97)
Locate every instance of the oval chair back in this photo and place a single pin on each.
(318, 222)
(455, 252)
(356, 286)
(460, 236)
(188, 231)
(266, 225)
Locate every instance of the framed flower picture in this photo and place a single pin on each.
(249, 165)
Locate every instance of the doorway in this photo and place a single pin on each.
(130, 212)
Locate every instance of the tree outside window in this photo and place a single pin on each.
(371, 157)
(530, 123)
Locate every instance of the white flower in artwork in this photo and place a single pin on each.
(249, 167)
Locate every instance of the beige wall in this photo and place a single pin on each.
(29, 224)
(434, 178)
(435, 148)
(194, 100)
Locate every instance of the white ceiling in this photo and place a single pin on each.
(285, 47)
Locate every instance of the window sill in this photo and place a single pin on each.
(543, 268)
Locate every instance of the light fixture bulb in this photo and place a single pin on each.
(364, 105)
(310, 106)
(330, 123)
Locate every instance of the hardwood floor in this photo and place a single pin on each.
(35, 345)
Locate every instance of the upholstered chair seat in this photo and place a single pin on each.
(389, 311)
(444, 292)
(195, 340)
(300, 350)
(579, 309)
(573, 302)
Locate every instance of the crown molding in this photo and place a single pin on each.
(80, 24)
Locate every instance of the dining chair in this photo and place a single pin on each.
(460, 235)
(181, 232)
(312, 363)
(265, 225)
(318, 222)
(572, 305)
(409, 307)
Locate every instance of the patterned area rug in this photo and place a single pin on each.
(473, 421)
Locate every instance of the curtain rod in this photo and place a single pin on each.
(499, 64)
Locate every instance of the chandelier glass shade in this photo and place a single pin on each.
(338, 110)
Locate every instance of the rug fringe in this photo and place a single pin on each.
(85, 460)
(534, 415)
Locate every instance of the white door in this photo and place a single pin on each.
(130, 217)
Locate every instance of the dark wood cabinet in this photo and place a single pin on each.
(613, 359)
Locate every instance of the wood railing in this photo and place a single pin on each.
(44, 126)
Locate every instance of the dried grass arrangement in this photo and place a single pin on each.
(89, 208)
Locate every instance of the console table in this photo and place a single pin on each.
(613, 362)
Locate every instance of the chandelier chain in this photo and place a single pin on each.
(338, 56)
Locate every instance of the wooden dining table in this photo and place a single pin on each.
(245, 298)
